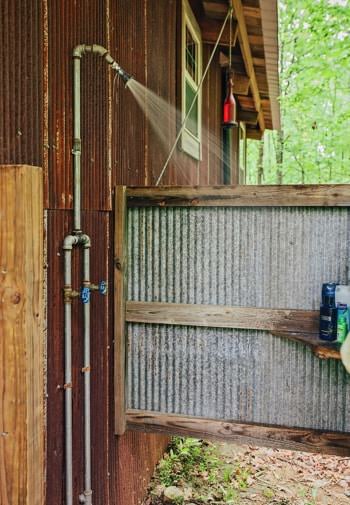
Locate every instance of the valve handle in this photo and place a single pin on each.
(85, 294)
(103, 287)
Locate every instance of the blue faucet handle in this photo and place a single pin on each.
(103, 287)
(85, 294)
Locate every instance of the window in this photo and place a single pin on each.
(191, 61)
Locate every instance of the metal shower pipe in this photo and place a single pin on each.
(78, 239)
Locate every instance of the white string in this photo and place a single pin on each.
(229, 13)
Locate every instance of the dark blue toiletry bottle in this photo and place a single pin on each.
(328, 312)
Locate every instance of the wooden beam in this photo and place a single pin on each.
(210, 29)
(215, 9)
(247, 116)
(120, 274)
(241, 82)
(252, 12)
(22, 419)
(254, 133)
(328, 195)
(256, 40)
(218, 316)
(247, 57)
(298, 439)
(259, 62)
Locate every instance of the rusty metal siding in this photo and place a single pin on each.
(21, 82)
(160, 78)
(128, 21)
(69, 24)
(96, 224)
(211, 167)
(258, 257)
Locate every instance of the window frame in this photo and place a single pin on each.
(190, 143)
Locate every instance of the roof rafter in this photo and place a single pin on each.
(248, 59)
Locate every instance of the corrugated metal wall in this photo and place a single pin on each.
(253, 257)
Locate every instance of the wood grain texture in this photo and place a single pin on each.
(243, 433)
(248, 59)
(21, 336)
(210, 30)
(309, 195)
(321, 348)
(220, 316)
(120, 273)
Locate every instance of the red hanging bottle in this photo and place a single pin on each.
(229, 104)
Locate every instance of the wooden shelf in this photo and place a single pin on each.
(321, 348)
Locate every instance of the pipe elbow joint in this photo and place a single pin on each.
(79, 50)
(69, 242)
(103, 52)
(85, 241)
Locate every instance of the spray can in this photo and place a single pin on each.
(328, 312)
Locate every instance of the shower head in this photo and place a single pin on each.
(124, 75)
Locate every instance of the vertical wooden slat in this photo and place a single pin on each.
(21, 336)
(120, 269)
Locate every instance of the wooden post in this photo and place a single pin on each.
(120, 264)
(22, 427)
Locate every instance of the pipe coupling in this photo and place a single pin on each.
(85, 497)
(69, 294)
(76, 146)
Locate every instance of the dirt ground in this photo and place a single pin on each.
(271, 476)
(287, 477)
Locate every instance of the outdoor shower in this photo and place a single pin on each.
(79, 239)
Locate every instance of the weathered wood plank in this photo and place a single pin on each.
(244, 433)
(322, 349)
(248, 59)
(210, 29)
(219, 316)
(120, 273)
(328, 195)
(22, 424)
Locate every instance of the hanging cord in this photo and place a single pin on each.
(230, 49)
(229, 14)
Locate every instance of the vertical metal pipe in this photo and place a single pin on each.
(87, 371)
(81, 240)
(68, 374)
(76, 143)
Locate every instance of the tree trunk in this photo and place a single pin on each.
(260, 163)
(279, 156)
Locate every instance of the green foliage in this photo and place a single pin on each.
(186, 458)
(314, 39)
(196, 464)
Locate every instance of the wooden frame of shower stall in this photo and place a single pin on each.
(300, 325)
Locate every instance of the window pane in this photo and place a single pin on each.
(191, 55)
(192, 121)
